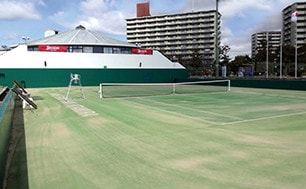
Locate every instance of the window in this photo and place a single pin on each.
(108, 50)
(97, 49)
(88, 49)
(126, 50)
(78, 49)
(116, 50)
(32, 48)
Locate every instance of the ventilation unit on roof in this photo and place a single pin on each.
(50, 33)
(80, 27)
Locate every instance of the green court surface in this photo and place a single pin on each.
(245, 138)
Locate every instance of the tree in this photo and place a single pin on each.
(261, 56)
(223, 54)
(288, 58)
(195, 64)
(302, 54)
(302, 58)
(238, 62)
(261, 51)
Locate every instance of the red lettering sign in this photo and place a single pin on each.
(142, 51)
(52, 48)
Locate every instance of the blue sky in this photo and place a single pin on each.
(240, 18)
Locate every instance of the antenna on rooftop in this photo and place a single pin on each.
(80, 27)
(25, 38)
(192, 6)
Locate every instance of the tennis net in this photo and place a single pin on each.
(116, 90)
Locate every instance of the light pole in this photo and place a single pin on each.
(281, 57)
(267, 55)
(216, 40)
(295, 54)
(25, 38)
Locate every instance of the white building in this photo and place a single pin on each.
(177, 36)
(290, 29)
(49, 61)
(260, 39)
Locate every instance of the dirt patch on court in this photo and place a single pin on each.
(60, 130)
(161, 114)
(253, 139)
(290, 107)
(281, 108)
(99, 121)
(238, 154)
(191, 163)
(173, 119)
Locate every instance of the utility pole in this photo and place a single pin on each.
(267, 55)
(281, 57)
(216, 40)
(295, 54)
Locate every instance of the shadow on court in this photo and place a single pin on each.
(16, 169)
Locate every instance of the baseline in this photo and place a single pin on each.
(263, 118)
(270, 95)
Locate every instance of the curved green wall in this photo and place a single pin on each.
(32, 78)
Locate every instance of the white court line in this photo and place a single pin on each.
(267, 94)
(191, 109)
(263, 118)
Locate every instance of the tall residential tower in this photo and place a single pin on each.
(290, 29)
(260, 39)
(177, 36)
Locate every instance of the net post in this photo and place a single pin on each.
(100, 91)
(173, 89)
(229, 85)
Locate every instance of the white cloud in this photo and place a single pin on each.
(229, 8)
(274, 23)
(200, 5)
(96, 6)
(9, 37)
(112, 22)
(12, 36)
(102, 15)
(14, 9)
(64, 19)
(240, 50)
(227, 35)
(238, 45)
(288, 2)
(238, 8)
(98, 15)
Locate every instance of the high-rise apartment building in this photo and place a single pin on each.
(259, 41)
(178, 36)
(290, 29)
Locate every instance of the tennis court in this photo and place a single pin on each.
(244, 138)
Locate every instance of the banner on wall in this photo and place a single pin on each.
(52, 48)
(142, 51)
